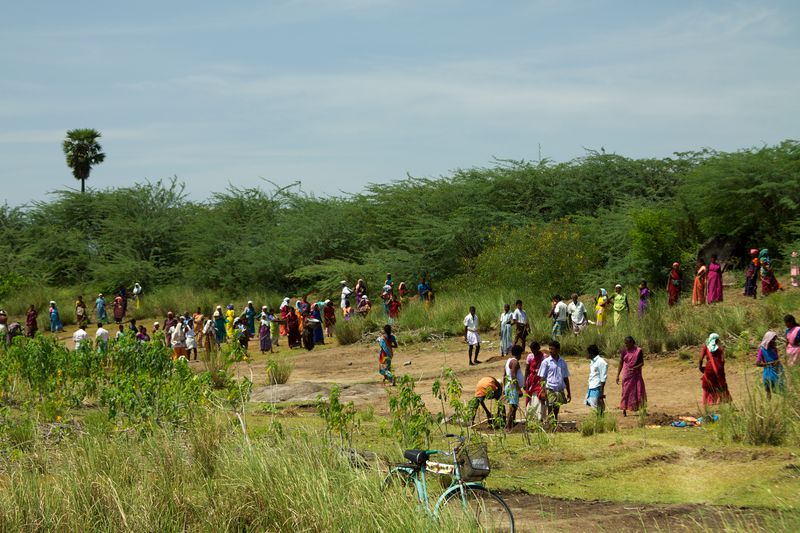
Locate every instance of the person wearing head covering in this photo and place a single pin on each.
(361, 290)
(600, 304)
(284, 310)
(119, 309)
(714, 281)
(792, 340)
(715, 386)
(31, 322)
(318, 333)
(387, 344)
(55, 318)
(346, 292)
(293, 327)
(769, 283)
(674, 284)
(769, 360)
(137, 294)
(219, 325)
(250, 315)
(230, 316)
(208, 334)
(751, 274)
(81, 315)
(699, 287)
(644, 297)
(620, 304)
(100, 309)
(265, 331)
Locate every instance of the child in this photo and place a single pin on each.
(598, 374)
(514, 382)
(555, 379)
(387, 343)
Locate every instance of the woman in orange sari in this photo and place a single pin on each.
(699, 289)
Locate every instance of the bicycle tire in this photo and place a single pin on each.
(484, 508)
(401, 479)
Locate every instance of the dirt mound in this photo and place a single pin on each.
(306, 392)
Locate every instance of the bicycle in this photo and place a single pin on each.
(466, 493)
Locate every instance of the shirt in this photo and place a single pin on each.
(78, 337)
(471, 323)
(102, 334)
(520, 316)
(554, 373)
(345, 293)
(560, 312)
(577, 312)
(485, 386)
(598, 372)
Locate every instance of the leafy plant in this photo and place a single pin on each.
(410, 419)
(339, 417)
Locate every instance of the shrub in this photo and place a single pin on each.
(597, 423)
(278, 371)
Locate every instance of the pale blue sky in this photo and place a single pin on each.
(341, 93)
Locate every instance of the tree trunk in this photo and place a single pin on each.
(83, 186)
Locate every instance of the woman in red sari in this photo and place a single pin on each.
(631, 361)
(284, 316)
(293, 327)
(675, 283)
(715, 386)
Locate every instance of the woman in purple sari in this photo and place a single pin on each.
(631, 360)
(714, 292)
(644, 297)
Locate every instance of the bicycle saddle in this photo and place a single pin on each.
(418, 457)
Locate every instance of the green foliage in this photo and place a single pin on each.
(340, 418)
(278, 371)
(411, 420)
(654, 241)
(597, 423)
(83, 151)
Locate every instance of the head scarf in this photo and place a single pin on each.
(764, 255)
(603, 292)
(676, 265)
(230, 306)
(216, 314)
(768, 338)
(285, 302)
(753, 251)
(712, 343)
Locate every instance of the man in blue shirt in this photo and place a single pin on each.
(555, 379)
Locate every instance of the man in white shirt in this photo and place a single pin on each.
(471, 335)
(79, 336)
(101, 337)
(598, 374)
(577, 315)
(520, 319)
(559, 314)
(346, 292)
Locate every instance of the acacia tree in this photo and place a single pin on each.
(83, 152)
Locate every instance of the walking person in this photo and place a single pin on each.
(770, 361)
(55, 318)
(329, 317)
(191, 337)
(220, 331)
(387, 343)
(555, 377)
(769, 283)
(471, 335)
(250, 316)
(506, 340)
(265, 331)
(751, 274)
(598, 375)
(644, 297)
(119, 309)
(619, 301)
(31, 322)
(794, 270)
(631, 361)
(81, 315)
(101, 337)
(79, 337)
(346, 292)
(559, 315)
(514, 381)
(792, 340)
(100, 309)
(715, 386)
(577, 315)
(674, 284)
(536, 399)
(714, 281)
(699, 287)
(519, 318)
(600, 305)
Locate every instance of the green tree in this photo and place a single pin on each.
(83, 152)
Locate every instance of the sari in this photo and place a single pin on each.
(714, 383)
(264, 335)
(31, 323)
(385, 357)
(751, 278)
(506, 338)
(219, 326)
(250, 315)
(119, 309)
(229, 318)
(674, 286)
(699, 288)
(773, 373)
(714, 283)
(644, 299)
(792, 345)
(100, 309)
(633, 392)
(769, 283)
(293, 328)
(319, 332)
(600, 308)
(55, 319)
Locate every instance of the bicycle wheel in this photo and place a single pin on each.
(483, 508)
(400, 480)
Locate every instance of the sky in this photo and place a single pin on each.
(339, 94)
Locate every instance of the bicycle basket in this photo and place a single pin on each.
(473, 460)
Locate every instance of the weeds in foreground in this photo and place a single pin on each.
(597, 423)
(278, 371)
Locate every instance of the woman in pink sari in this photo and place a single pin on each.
(792, 340)
(631, 360)
(714, 281)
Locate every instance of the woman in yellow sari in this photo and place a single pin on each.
(229, 318)
(600, 307)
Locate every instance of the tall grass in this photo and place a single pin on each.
(209, 479)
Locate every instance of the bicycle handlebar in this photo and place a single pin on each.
(453, 436)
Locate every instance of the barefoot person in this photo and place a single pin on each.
(514, 380)
(471, 335)
(506, 338)
(715, 386)
(598, 375)
(555, 378)
(535, 397)
(631, 361)
(488, 388)
(387, 343)
(519, 319)
(769, 360)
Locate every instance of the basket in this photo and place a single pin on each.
(473, 461)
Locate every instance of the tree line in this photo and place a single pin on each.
(560, 226)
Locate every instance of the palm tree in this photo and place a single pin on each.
(83, 152)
